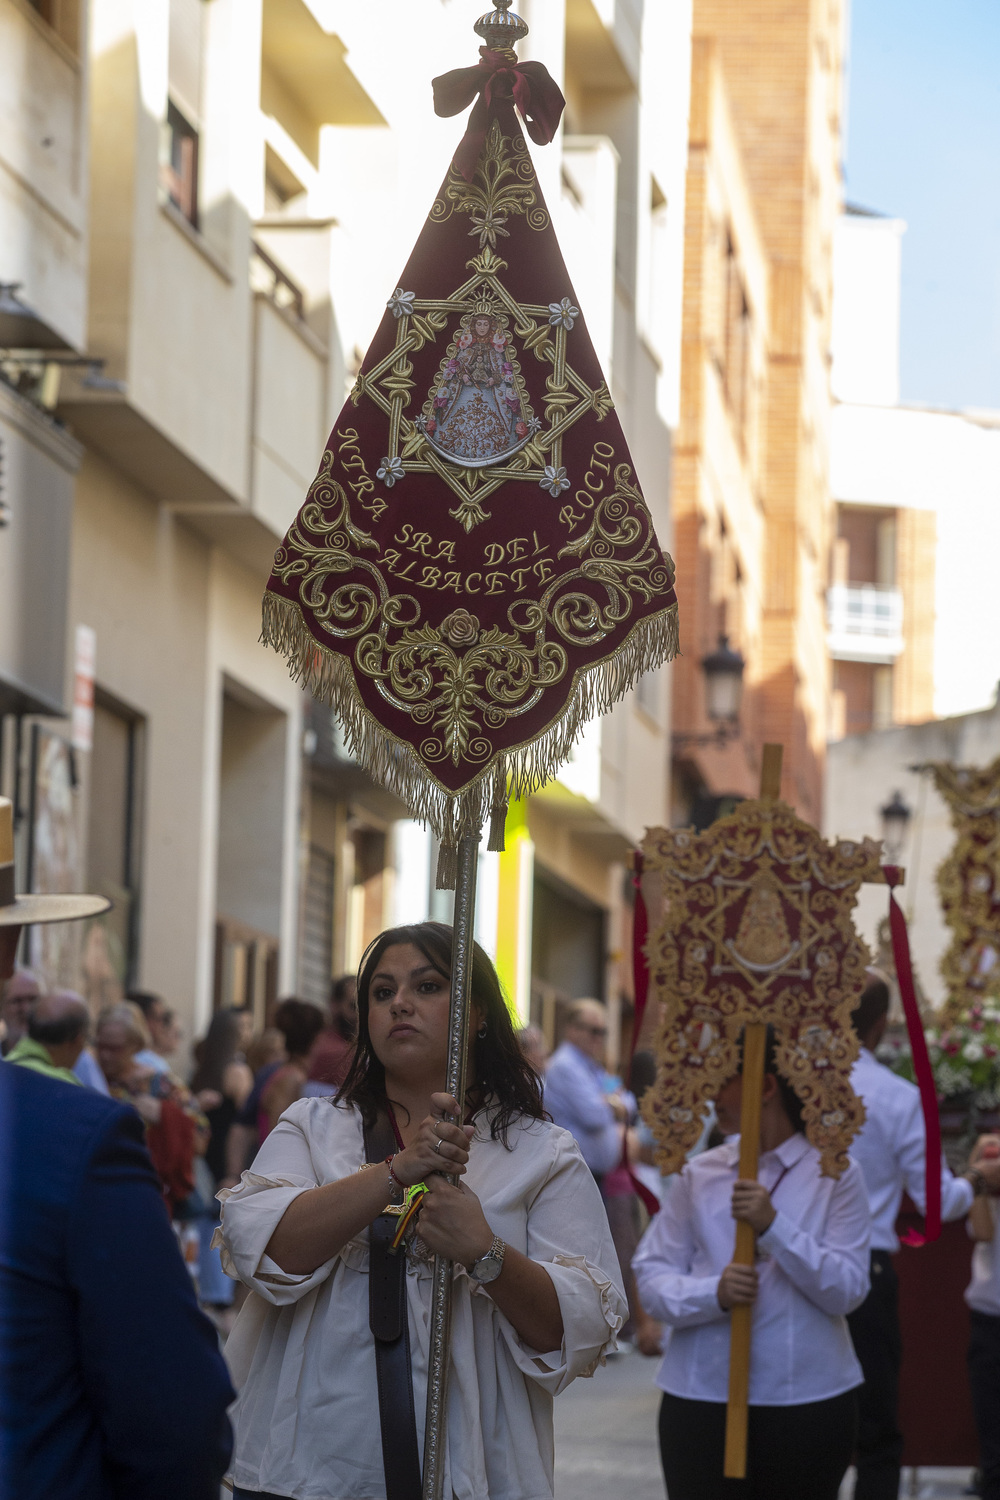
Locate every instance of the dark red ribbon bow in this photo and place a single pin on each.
(538, 98)
(921, 1066)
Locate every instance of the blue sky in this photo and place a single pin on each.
(924, 145)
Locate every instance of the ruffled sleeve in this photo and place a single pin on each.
(568, 1234)
(282, 1171)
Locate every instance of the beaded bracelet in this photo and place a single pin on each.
(366, 1166)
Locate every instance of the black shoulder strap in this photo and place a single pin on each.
(390, 1329)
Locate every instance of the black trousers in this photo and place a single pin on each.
(878, 1344)
(793, 1452)
(984, 1378)
(240, 1494)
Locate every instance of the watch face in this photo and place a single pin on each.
(486, 1270)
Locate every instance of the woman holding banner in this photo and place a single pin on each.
(811, 1270)
(537, 1291)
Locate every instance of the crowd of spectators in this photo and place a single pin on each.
(203, 1123)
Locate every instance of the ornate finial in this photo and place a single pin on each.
(500, 28)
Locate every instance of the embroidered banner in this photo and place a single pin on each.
(475, 572)
(969, 884)
(755, 925)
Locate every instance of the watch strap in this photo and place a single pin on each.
(495, 1252)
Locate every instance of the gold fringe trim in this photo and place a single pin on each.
(329, 677)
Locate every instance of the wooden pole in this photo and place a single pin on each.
(754, 1046)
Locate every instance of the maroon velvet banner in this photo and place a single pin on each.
(474, 571)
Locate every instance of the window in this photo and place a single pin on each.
(113, 825)
(180, 170)
(64, 18)
(864, 692)
(736, 342)
(284, 194)
(868, 545)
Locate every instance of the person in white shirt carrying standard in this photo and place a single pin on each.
(811, 1270)
(890, 1150)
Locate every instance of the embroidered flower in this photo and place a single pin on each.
(400, 304)
(521, 429)
(555, 480)
(460, 629)
(534, 425)
(563, 314)
(488, 225)
(390, 471)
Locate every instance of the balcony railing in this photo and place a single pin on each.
(864, 623)
(268, 278)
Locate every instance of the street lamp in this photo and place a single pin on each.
(723, 669)
(895, 817)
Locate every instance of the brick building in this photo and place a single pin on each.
(752, 510)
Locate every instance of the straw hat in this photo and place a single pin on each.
(25, 911)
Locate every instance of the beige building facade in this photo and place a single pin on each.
(249, 177)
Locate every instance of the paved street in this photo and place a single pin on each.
(606, 1434)
(606, 1441)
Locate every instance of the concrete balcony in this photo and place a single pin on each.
(603, 42)
(864, 623)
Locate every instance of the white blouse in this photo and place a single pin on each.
(813, 1268)
(983, 1292)
(307, 1418)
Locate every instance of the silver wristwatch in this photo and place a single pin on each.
(488, 1267)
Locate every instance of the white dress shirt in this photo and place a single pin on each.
(302, 1355)
(813, 1267)
(983, 1292)
(890, 1150)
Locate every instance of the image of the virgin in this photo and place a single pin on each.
(477, 417)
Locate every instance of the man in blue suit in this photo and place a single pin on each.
(112, 1386)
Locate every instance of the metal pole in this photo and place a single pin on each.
(439, 1361)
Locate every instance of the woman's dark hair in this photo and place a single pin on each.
(642, 1073)
(789, 1098)
(871, 1008)
(300, 1023)
(216, 1050)
(500, 1074)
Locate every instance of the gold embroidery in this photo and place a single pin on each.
(795, 963)
(460, 686)
(969, 885)
(504, 184)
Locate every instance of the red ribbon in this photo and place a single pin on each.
(921, 1067)
(538, 97)
(640, 971)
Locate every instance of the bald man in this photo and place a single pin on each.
(57, 1033)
